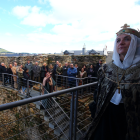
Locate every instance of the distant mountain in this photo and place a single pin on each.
(4, 51)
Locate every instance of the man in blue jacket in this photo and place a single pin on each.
(72, 72)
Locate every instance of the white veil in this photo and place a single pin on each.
(133, 53)
(132, 57)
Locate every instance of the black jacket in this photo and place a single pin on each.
(97, 67)
(54, 69)
(9, 71)
(65, 70)
(43, 72)
(3, 69)
(93, 74)
(0, 68)
(26, 77)
(78, 69)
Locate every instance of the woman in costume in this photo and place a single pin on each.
(117, 115)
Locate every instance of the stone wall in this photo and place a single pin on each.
(51, 59)
(31, 123)
(87, 59)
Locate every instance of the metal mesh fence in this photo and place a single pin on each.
(61, 117)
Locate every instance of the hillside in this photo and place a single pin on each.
(4, 51)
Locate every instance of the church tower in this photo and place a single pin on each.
(84, 49)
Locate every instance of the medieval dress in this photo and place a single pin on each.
(117, 114)
(125, 117)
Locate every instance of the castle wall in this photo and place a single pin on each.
(51, 59)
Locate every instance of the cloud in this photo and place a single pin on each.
(76, 22)
(42, 1)
(8, 34)
(96, 14)
(21, 11)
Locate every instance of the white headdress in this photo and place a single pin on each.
(132, 56)
(133, 53)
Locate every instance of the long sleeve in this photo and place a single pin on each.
(74, 72)
(57, 70)
(68, 72)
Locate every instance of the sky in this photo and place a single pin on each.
(53, 26)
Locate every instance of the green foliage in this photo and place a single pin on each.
(4, 51)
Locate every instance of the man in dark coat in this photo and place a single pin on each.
(98, 65)
(36, 71)
(54, 69)
(3, 70)
(44, 70)
(10, 78)
(65, 69)
(29, 66)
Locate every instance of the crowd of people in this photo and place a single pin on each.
(37, 73)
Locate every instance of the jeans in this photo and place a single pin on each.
(24, 88)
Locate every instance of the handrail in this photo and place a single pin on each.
(37, 98)
(76, 77)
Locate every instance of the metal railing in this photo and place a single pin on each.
(24, 86)
(64, 82)
(65, 124)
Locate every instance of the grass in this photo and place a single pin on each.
(4, 51)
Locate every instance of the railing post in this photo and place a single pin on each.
(56, 81)
(12, 81)
(40, 89)
(75, 114)
(82, 90)
(67, 84)
(27, 88)
(63, 82)
(3, 78)
(87, 87)
(71, 118)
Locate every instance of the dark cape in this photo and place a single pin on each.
(116, 122)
